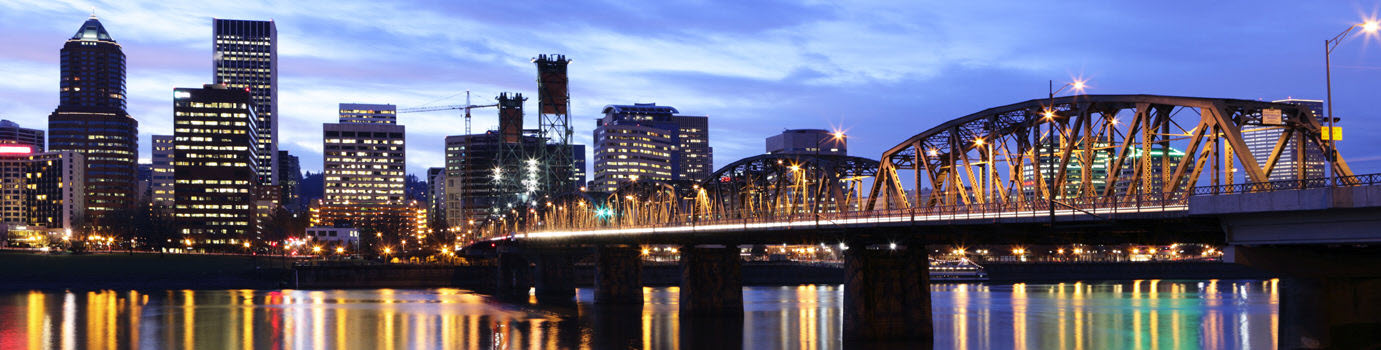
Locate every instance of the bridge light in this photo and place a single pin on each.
(933, 152)
(978, 141)
(892, 246)
(1078, 85)
(1371, 26)
(1049, 114)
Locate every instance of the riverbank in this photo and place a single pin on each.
(145, 271)
(140, 271)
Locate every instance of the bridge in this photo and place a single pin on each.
(1086, 168)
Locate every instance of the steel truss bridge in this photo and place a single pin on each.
(1077, 159)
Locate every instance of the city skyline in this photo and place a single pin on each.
(798, 68)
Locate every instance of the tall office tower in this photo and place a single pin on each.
(215, 165)
(53, 197)
(1262, 139)
(143, 192)
(91, 120)
(161, 184)
(246, 56)
(479, 177)
(41, 189)
(578, 176)
(1074, 185)
(364, 157)
(808, 142)
(650, 142)
(290, 180)
(13, 162)
(436, 197)
(12, 134)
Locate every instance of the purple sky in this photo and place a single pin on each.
(884, 71)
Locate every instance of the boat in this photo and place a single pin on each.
(961, 270)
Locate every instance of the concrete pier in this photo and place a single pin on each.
(886, 294)
(514, 275)
(555, 276)
(618, 275)
(1330, 297)
(711, 281)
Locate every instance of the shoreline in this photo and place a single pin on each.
(120, 271)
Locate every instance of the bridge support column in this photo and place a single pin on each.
(618, 276)
(1329, 297)
(711, 281)
(514, 275)
(555, 276)
(887, 294)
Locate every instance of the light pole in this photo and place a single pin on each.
(1049, 119)
(1370, 27)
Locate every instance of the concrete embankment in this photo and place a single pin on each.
(116, 270)
(157, 271)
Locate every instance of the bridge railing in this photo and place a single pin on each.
(1094, 207)
(1290, 185)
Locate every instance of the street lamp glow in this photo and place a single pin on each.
(1371, 26)
(1078, 85)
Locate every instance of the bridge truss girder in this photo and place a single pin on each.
(1095, 149)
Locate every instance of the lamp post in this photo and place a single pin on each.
(1049, 119)
(1370, 27)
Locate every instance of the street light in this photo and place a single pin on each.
(836, 137)
(1370, 27)
(1048, 119)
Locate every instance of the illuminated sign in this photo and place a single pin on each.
(181, 94)
(15, 150)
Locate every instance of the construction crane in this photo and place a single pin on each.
(465, 107)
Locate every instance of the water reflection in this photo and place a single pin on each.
(1144, 314)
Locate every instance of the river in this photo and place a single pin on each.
(1143, 314)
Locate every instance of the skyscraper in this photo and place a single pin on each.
(651, 142)
(12, 134)
(290, 180)
(246, 56)
(161, 183)
(215, 165)
(364, 156)
(91, 120)
(1262, 139)
(807, 141)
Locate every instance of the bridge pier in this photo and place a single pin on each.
(711, 281)
(618, 275)
(1329, 297)
(555, 276)
(514, 275)
(886, 294)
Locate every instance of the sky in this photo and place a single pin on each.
(880, 70)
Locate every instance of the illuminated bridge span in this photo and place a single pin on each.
(1082, 169)
(1089, 158)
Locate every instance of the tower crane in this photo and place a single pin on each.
(465, 107)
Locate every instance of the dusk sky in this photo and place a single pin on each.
(883, 71)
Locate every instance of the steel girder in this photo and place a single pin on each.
(1094, 148)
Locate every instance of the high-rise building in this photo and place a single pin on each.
(364, 156)
(484, 174)
(1074, 184)
(436, 185)
(53, 197)
(12, 134)
(161, 183)
(290, 180)
(807, 141)
(578, 174)
(14, 161)
(1262, 139)
(651, 142)
(91, 120)
(144, 190)
(215, 165)
(41, 189)
(246, 56)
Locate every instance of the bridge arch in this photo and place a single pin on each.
(1098, 148)
(776, 184)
